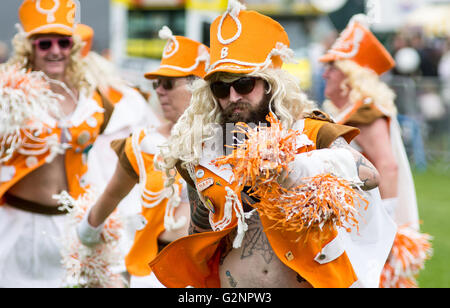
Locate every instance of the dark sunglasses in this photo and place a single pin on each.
(166, 83)
(243, 86)
(45, 44)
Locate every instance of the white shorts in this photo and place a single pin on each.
(30, 249)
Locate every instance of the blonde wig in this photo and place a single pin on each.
(364, 83)
(76, 70)
(201, 119)
(101, 72)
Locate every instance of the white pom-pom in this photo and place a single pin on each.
(165, 33)
(362, 19)
(203, 54)
(234, 7)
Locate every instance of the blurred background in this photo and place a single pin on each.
(416, 32)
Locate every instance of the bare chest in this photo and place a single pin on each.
(255, 264)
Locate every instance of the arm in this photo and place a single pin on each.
(118, 188)
(366, 171)
(91, 226)
(339, 159)
(375, 142)
(199, 213)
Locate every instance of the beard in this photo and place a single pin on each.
(252, 115)
(248, 113)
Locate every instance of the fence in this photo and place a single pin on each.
(424, 114)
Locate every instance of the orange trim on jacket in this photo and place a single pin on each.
(145, 245)
(350, 115)
(82, 137)
(194, 260)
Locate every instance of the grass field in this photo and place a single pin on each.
(433, 194)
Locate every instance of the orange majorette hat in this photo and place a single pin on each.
(181, 57)
(244, 41)
(86, 34)
(48, 16)
(358, 44)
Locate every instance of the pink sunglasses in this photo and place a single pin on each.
(45, 44)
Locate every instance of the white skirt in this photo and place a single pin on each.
(30, 249)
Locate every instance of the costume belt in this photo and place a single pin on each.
(33, 207)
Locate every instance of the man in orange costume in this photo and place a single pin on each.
(51, 159)
(231, 243)
(358, 97)
(165, 209)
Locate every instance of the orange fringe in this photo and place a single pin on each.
(318, 201)
(407, 258)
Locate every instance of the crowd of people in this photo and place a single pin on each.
(241, 182)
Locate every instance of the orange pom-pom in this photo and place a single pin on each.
(407, 258)
(318, 201)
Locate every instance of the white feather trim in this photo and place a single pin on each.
(89, 267)
(26, 102)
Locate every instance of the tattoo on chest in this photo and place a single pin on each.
(231, 280)
(256, 242)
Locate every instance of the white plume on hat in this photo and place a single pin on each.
(234, 7)
(363, 19)
(165, 33)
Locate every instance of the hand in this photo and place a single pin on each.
(338, 162)
(89, 235)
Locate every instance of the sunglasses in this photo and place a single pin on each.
(243, 86)
(166, 83)
(45, 44)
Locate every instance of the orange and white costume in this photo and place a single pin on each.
(137, 156)
(357, 44)
(330, 258)
(29, 254)
(181, 57)
(131, 113)
(340, 259)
